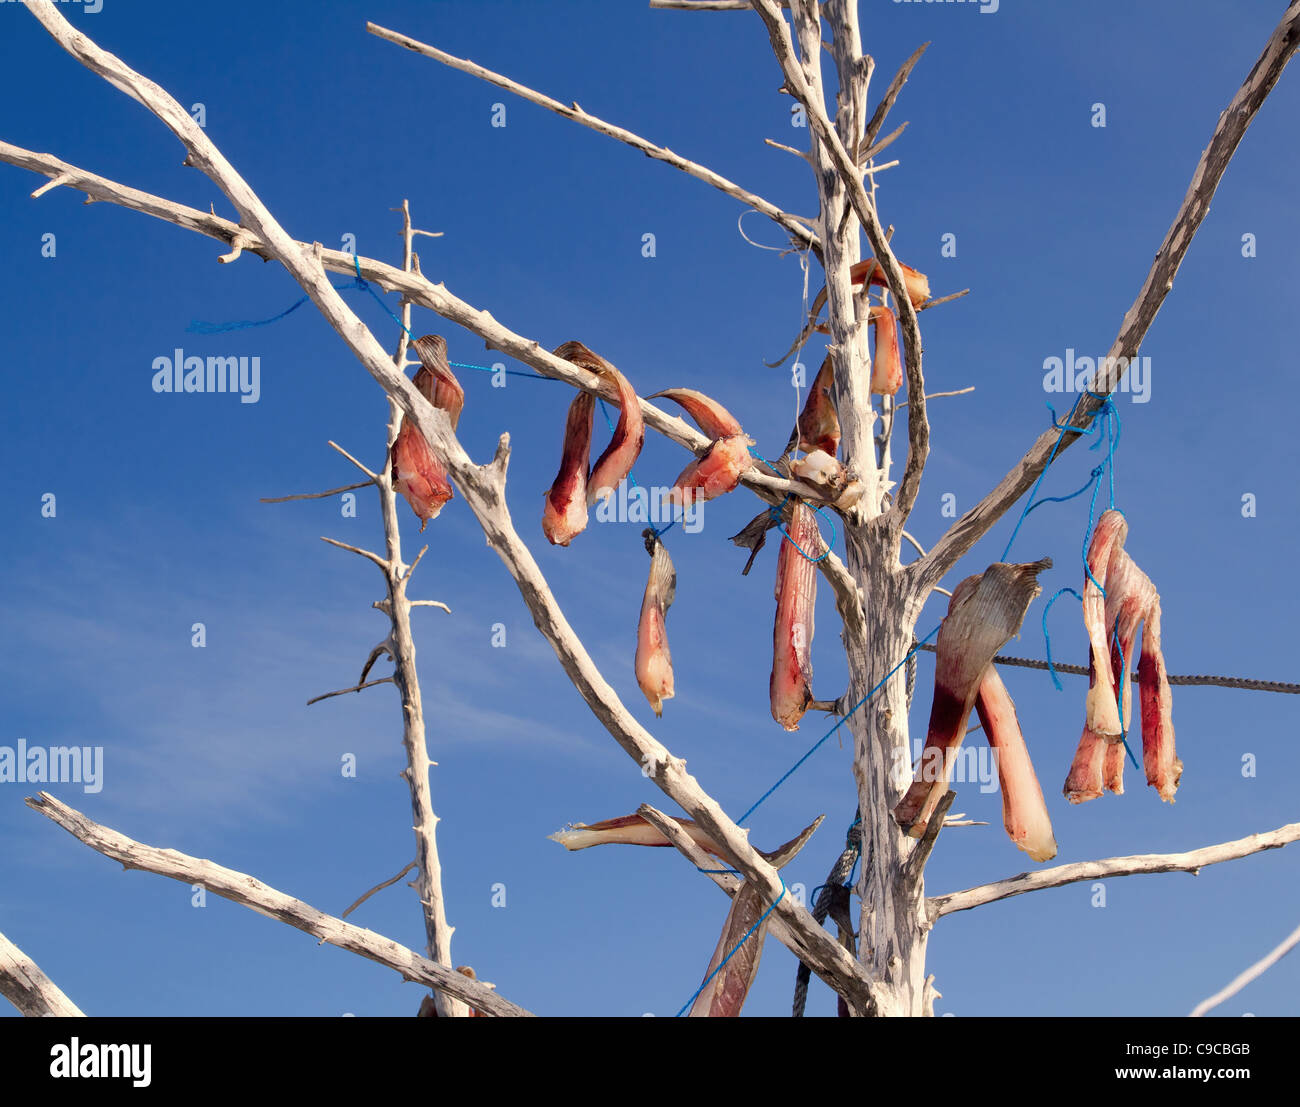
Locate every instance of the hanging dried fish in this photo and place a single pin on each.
(564, 514)
(818, 427)
(887, 365)
(790, 686)
(629, 830)
(418, 473)
(435, 379)
(1024, 811)
(718, 470)
(654, 663)
(1107, 536)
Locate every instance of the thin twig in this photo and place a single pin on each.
(377, 888)
(357, 550)
(354, 688)
(316, 495)
(373, 476)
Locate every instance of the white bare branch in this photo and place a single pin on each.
(247, 890)
(1191, 862)
(1258, 969)
(24, 985)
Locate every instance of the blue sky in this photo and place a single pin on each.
(212, 751)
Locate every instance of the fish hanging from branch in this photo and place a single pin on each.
(985, 611)
(564, 513)
(723, 995)
(654, 663)
(718, 470)
(629, 434)
(418, 474)
(818, 425)
(435, 379)
(734, 965)
(628, 830)
(790, 686)
(887, 365)
(1107, 536)
(1024, 811)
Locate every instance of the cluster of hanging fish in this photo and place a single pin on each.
(1118, 597)
(984, 612)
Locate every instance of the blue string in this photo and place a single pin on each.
(842, 720)
(1047, 637)
(1122, 679)
(508, 372)
(1064, 428)
(735, 949)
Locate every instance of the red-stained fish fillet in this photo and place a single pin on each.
(710, 416)
(1102, 712)
(1163, 768)
(564, 513)
(715, 474)
(1024, 811)
(418, 474)
(887, 365)
(818, 427)
(790, 686)
(654, 663)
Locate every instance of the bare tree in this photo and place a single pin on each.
(879, 966)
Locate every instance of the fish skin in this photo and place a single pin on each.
(818, 427)
(918, 284)
(1024, 811)
(654, 662)
(629, 434)
(435, 379)
(418, 474)
(710, 416)
(564, 512)
(887, 365)
(984, 612)
(715, 474)
(790, 685)
(1107, 536)
(628, 830)
(734, 965)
